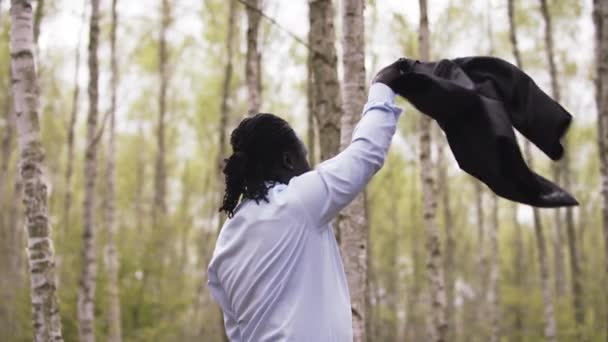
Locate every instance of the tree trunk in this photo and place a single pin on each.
(326, 95)
(45, 309)
(114, 328)
(352, 221)
(494, 277)
(38, 19)
(253, 62)
(518, 270)
(482, 263)
(88, 277)
(5, 150)
(600, 11)
(310, 88)
(575, 269)
(494, 313)
(548, 307)
(429, 202)
(160, 172)
(67, 202)
(224, 113)
(449, 259)
(140, 172)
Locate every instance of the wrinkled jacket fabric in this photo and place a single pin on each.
(477, 101)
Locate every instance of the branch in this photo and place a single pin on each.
(289, 33)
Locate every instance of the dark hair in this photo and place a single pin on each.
(257, 144)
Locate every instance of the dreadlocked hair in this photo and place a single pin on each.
(257, 144)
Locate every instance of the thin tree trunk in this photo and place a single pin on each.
(352, 221)
(113, 290)
(45, 310)
(224, 113)
(310, 88)
(482, 263)
(518, 240)
(38, 19)
(548, 307)
(139, 182)
(160, 172)
(575, 269)
(494, 316)
(88, 277)
(5, 150)
(449, 259)
(67, 202)
(253, 58)
(600, 11)
(518, 267)
(429, 202)
(326, 95)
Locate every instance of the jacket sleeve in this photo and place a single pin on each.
(324, 191)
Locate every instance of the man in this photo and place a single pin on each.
(276, 271)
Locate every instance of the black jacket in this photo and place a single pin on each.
(477, 101)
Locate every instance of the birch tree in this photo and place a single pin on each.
(160, 172)
(494, 312)
(67, 202)
(45, 310)
(600, 15)
(448, 226)
(88, 277)
(575, 269)
(494, 274)
(253, 58)
(113, 290)
(327, 102)
(429, 202)
(223, 123)
(548, 308)
(482, 261)
(352, 221)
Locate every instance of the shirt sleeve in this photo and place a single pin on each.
(333, 184)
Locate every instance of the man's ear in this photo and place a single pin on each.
(288, 161)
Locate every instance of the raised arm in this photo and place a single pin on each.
(333, 184)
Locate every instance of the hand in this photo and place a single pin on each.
(390, 75)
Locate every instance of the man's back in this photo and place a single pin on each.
(282, 276)
(276, 270)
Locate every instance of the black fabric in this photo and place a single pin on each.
(477, 101)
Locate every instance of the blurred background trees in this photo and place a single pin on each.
(174, 77)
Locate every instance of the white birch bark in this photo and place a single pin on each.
(113, 290)
(494, 317)
(88, 277)
(481, 307)
(326, 94)
(253, 58)
(352, 221)
(429, 202)
(45, 309)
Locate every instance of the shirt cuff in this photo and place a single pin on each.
(380, 92)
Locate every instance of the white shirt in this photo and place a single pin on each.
(276, 271)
